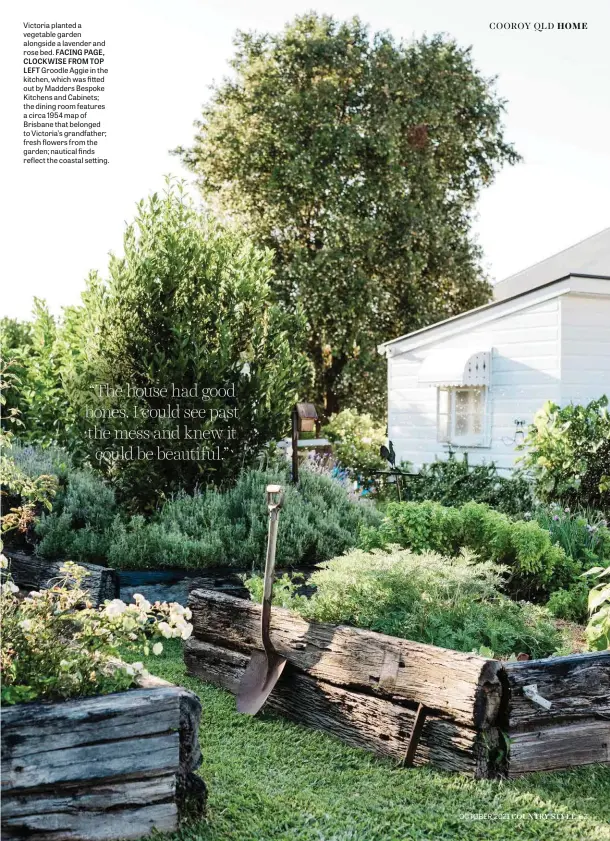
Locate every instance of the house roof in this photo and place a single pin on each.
(591, 256)
(587, 260)
(578, 283)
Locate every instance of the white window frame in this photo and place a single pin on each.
(481, 439)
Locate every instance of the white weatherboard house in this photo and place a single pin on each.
(473, 382)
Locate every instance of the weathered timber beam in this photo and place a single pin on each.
(29, 572)
(578, 686)
(464, 686)
(118, 809)
(363, 721)
(73, 741)
(108, 766)
(566, 745)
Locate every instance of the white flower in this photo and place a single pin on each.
(130, 670)
(187, 613)
(141, 602)
(115, 608)
(157, 648)
(9, 587)
(165, 630)
(3, 562)
(26, 624)
(186, 631)
(138, 667)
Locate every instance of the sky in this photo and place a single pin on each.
(59, 222)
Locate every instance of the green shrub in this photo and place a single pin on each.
(570, 604)
(356, 440)
(450, 602)
(454, 482)
(213, 528)
(80, 525)
(35, 461)
(568, 454)
(536, 564)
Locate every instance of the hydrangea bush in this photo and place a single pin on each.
(56, 645)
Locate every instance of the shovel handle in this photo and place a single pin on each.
(275, 499)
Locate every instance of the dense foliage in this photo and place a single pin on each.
(356, 439)
(78, 518)
(582, 534)
(213, 528)
(454, 482)
(451, 602)
(358, 160)
(24, 497)
(536, 564)
(55, 645)
(15, 346)
(187, 305)
(36, 356)
(570, 603)
(81, 524)
(66, 512)
(568, 454)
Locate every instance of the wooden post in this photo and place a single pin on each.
(295, 446)
(418, 726)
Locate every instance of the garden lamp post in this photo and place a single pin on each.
(304, 418)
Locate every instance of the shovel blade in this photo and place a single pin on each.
(258, 681)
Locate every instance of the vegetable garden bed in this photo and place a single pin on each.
(102, 767)
(467, 713)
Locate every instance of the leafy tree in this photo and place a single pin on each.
(359, 161)
(188, 305)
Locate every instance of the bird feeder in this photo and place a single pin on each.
(307, 416)
(304, 419)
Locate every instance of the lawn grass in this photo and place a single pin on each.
(270, 780)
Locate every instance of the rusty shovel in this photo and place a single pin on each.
(265, 667)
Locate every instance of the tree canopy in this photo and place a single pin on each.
(358, 160)
(187, 308)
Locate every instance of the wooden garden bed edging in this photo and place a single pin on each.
(99, 768)
(575, 729)
(365, 688)
(29, 572)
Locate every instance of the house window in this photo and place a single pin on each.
(461, 416)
